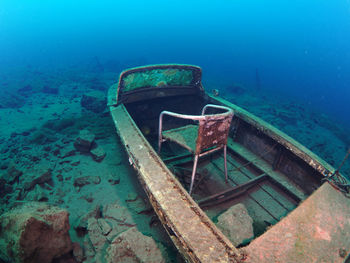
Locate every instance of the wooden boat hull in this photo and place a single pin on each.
(316, 229)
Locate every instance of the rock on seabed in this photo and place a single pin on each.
(84, 141)
(132, 246)
(34, 232)
(94, 101)
(236, 224)
(98, 154)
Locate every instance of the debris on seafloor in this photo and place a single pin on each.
(84, 141)
(94, 101)
(236, 224)
(36, 231)
(133, 246)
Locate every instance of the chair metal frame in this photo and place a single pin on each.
(203, 147)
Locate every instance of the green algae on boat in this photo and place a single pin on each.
(157, 78)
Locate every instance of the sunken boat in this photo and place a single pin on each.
(198, 155)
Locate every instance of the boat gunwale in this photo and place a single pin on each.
(280, 137)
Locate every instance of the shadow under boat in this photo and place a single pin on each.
(282, 184)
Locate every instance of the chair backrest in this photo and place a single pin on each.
(213, 130)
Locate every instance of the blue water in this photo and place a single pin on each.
(300, 48)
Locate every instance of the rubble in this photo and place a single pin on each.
(40, 175)
(139, 206)
(13, 174)
(94, 101)
(37, 194)
(118, 217)
(105, 227)
(236, 224)
(96, 235)
(83, 142)
(85, 180)
(68, 152)
(37, 232)
(133, 246)
(98, 154)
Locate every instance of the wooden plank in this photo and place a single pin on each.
(266, 168)
(264, 199)
(231, 192)
(255, 209)
(280, 197)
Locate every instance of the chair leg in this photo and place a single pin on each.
(193, 172)
(159, 144)
(225, 160)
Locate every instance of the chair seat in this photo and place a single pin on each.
(185, 136)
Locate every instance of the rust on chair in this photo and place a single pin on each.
(213, 131)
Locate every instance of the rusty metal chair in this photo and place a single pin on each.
(209, 136)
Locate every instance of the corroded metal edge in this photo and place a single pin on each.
(217, 247)
(291, 144)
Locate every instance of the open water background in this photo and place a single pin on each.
(299, 49)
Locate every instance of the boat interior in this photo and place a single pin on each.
(265, 176)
